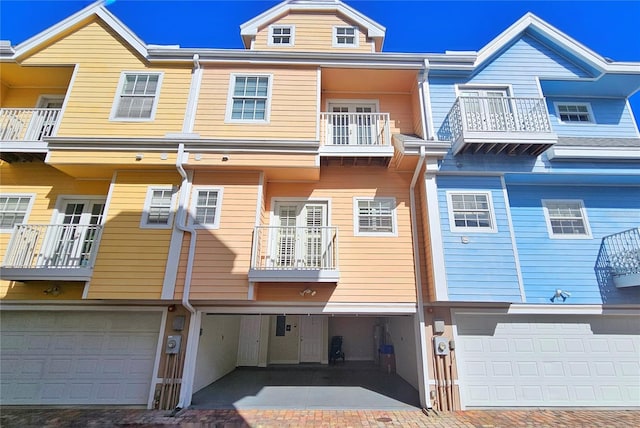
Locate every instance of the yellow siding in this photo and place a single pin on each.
(35, 290)
(313, 32)
(131, 261)
(223, 255)
(47, 184)
(102, 56)
(89, 158)
(27, 97)
(399, 106)
(372, 269)
(293, 105)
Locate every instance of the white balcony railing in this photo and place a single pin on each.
(294, 253)
(619, 258)
(355, 130)
(27, 124)
(52, 246)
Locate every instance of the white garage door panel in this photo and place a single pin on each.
(77, 357)
(541, 360)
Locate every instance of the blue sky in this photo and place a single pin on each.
(610, 28)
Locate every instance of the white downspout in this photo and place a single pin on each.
(422, 342)
(192, 337)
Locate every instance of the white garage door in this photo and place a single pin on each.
(544, 360)
(77, 357)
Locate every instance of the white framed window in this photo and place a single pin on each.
(14, 209)
(346, 36)
(374, 216)
(206, 206)
(249, 96)
(137, 96)
(282, 35)
(471, 212)
(574, 112)
(566, 219)
(158, 208)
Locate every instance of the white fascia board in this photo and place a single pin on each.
(563, 40)
(62, 26)
(591, 153)
(250, 28)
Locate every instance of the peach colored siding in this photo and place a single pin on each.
(223, 255)
(89, 158)
(372, 269)
(131, 261)
(102, 56)
(313, 32)
(293, 112)
(399, 107)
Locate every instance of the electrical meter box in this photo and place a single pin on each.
(441, 345)
(173, 344)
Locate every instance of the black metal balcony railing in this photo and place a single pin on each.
(52, 246)
(28, 124)
(294, 253)
(619, 258)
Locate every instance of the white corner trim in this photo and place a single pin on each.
(435, 231)
(156, 362)
(512, 234)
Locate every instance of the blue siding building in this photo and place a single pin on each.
(536, 248)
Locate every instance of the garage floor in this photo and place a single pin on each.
(351, 385)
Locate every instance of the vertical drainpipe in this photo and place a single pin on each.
(422, 338)
(183, 225)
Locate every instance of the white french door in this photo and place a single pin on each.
(299, 238)
(487, 109)
(353, 124)
(72, 238)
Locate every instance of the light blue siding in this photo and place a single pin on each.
(612, 119)
(484, 268)
(506, 69)
(568, 264)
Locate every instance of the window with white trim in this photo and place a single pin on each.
(281, 35)
(14, 209)
(566, 219)
(137, 96)
(206, 206)
(345, 36)
(158, 208)
(375, 216)
(249, 98)
(574, 112)
(471, 212)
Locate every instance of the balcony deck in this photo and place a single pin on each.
(23, 132)
(51, 251)
(619, 258)
(513, 126)
(294, 254)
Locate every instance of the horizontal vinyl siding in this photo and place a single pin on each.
(548, 264)
(131, 261)
(612, 119)
(101, 57)
(27, 97)
(223, 255)
(313, 32)
(483, 269)
(506, 69)
(399, 107)
(47, 184)
(372, 269)
(293, 105)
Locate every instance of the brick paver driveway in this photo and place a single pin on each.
(32, 417)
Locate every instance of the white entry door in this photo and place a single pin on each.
(249, 343)
(353, 124)
(71, 240)
(300, 238)
(311, 339)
